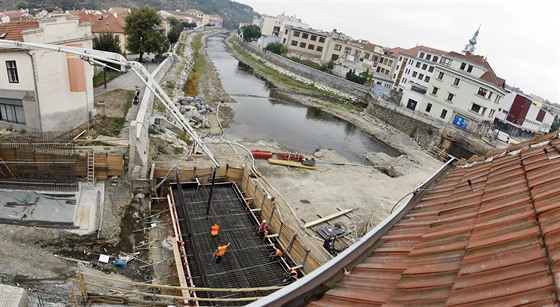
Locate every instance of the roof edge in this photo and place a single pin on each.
(298, 293)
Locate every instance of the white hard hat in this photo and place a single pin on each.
(264, 221)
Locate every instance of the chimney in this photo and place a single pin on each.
(468, 53)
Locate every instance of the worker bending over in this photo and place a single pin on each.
(263, 228)
(214, 230)
(276, 253)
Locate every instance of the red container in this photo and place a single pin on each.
(260, 154)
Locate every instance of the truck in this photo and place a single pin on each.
(502, 136)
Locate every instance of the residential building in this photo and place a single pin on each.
(306, 43)
(112, 21)
(522, 116)
(43, 90)
(415, 64)
(464, 91)
(273, 27)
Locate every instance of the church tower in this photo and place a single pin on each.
(470, 48)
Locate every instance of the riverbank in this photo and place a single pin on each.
(372, 191)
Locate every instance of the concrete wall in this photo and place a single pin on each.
(426, 130)
(308, 72)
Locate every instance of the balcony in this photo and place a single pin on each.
(418, 88)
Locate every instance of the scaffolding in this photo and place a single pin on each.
(246, 263)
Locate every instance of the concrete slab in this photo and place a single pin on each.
(13, 296)
(37, 208)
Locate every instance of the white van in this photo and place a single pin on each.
(502, 136)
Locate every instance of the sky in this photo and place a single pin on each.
(520, 38)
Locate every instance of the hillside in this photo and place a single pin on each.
(232, 12)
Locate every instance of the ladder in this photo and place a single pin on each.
(91, 167)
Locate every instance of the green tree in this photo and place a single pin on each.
(351, 75)
(22, 5)
(251, 32)
(277, 48)
(173, 21)
(107, 42)
(328, 66)
(174, 33)
(189, 25)
(143, 32)
(555, 124)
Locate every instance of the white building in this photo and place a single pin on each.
(415, 64)
(273, 27)
(44, 90)
(523, 114)
(463, 91)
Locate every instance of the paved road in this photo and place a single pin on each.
(126, 81)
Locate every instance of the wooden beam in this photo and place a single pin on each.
(326, 218)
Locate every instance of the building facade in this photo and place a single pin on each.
(523, 115)
(463, 91)
(43, 90)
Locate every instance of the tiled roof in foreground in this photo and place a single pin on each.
(489, 234)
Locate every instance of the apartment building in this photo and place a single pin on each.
(463, 91)
(522, 114)
(42, 90)
(307, 43)
(415, 64)
(273, 27)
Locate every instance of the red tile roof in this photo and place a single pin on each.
(489, 75)
(489, 234)
(109, 24)
(13, 30)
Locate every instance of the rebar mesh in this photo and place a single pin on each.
(246, 263)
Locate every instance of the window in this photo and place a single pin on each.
(440, 76)
(463, 66)
(337, 47)
(446, 61)
(313, 37)
(431, 69)
(435, 59)
(424, 66)
(12, 71)
(385, 60)
(475, 108)
(397, 67)
(443, 113)
(435, 90)
(366, 55)
(296, 33)
(407, 71)
(450, 97)
(305, 35)
(428, 107)
(284, 41)
(470, 68)
(428, 56)
(418, 64)
(427, 79)
(421, 55)
(390, 63)
(294, 43)
(311, 46)
(302, 45)
(482, 91)
(347, 50)
(421, 76)
(456, 82)
(11, 110)
(394, 76)
(414, 74)
(321, 39)
(411, 62)
(286, 31)
(334, 57)
(490, 95)
(319, 48)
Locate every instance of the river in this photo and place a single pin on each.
(301, 128)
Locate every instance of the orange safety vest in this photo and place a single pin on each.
(215, 229)
(221, 250)
(279, 252)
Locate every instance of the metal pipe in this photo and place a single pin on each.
(211, 190)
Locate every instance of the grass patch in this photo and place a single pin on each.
(275, 76)
(98, 79)
(178, 150)
(160, 107)
(181, 49)
(191, 86)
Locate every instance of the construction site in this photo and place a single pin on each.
(123, 221)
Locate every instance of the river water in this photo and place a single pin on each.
(304, 129)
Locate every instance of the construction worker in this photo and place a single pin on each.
(290, 277)
(276, 253)
(214, 230)
(220, 252)
(263, 228)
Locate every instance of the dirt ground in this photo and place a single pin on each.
(28, 254)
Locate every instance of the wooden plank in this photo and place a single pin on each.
(326, 218)
(290, 163)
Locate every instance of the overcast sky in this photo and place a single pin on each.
(521, 39)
